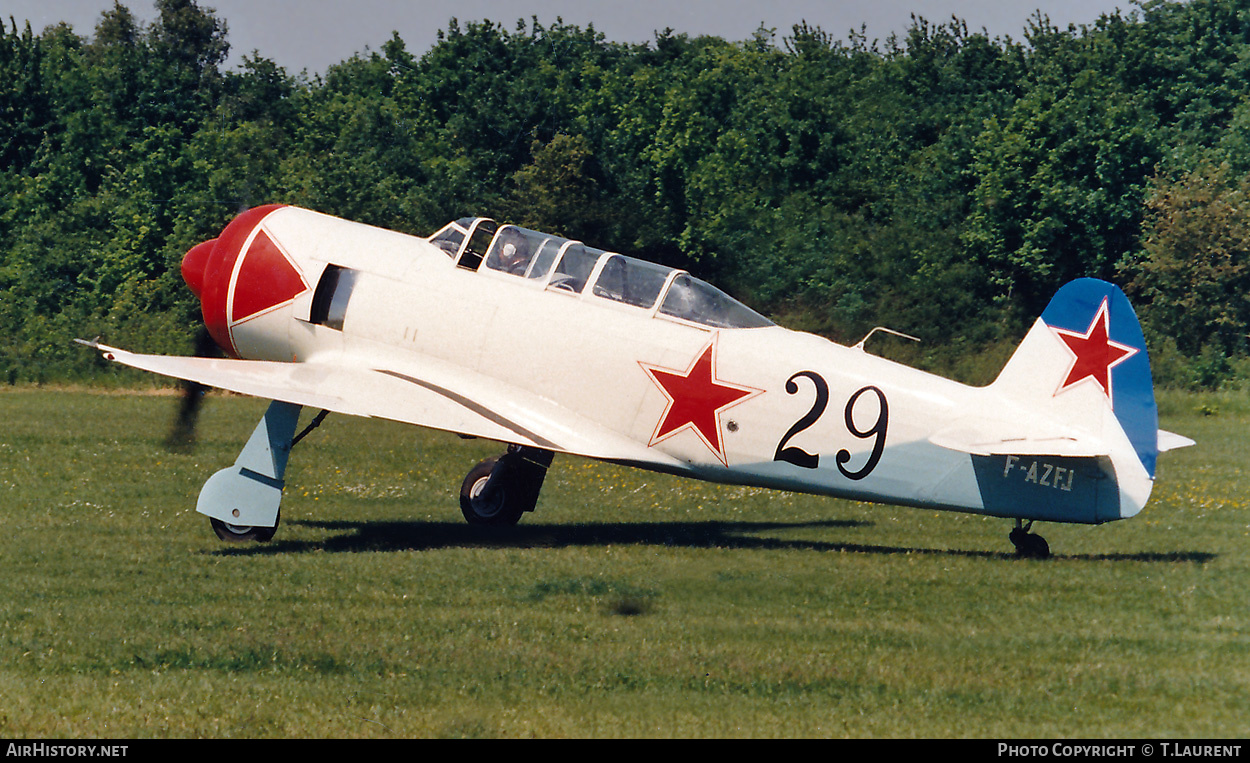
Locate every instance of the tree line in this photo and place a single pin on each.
(941, 182)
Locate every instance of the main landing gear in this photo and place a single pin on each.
(242, 501)
(1028, 545)
(500, 489)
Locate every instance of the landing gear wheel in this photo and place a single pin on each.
(243, 533)
(499, 490)
(1028, 545)
(487, 502)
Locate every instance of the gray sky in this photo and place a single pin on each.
(312, 34)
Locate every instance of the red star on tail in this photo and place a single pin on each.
(696, 398)
(1093, 353)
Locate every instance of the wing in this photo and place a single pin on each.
(438, 396)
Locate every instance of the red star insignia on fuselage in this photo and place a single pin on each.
(1094, 354)
(696, 399)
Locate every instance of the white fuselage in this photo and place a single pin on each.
(792, 401)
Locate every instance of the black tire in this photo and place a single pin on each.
(243, 533)
(496, 509)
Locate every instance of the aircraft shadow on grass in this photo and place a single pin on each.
(362, 536)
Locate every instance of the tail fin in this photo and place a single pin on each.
(1084, 363)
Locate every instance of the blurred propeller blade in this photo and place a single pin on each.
(181, 437)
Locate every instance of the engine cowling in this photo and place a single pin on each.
(239, 275)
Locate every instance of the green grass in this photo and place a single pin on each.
(630, 604)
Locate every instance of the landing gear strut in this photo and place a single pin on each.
(242, 501)
(1028, 545)
(500, 489)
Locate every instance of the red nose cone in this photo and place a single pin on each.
(194, 263)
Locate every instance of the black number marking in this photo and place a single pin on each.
(877, 431)
(798, 456)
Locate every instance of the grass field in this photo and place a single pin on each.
(630, 604)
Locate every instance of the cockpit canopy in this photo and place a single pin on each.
(560, 264)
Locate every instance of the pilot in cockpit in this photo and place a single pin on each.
(514, 252)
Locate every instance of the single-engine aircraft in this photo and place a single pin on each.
(551, 346)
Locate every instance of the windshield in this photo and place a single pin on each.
(690, 299)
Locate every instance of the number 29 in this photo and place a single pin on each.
(876, 432)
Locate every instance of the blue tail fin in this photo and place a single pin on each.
(1086, 357)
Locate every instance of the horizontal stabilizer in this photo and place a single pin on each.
(1172, 441)
(986, 438)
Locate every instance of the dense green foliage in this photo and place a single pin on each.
(943, 183)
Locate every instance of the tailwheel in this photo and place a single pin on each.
(242, 533)
(1029, 545)
(500, 489)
